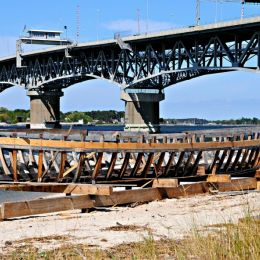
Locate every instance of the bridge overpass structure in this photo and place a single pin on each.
(141, 65)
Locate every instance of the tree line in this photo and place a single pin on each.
(110, 117)
(22, 115)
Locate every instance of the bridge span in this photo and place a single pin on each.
(142, 66)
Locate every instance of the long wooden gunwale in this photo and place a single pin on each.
(39, 144)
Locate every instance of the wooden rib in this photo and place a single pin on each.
(80, 166)
(50, 163)
(148, 164)
(63, 158)
(31, 157)
(137, 164)
(55, 165)
(111, 165)
(124, 165)
(40, 165)
(256, 159)
(169, 164)
(45, 164)
(221, 161)
(243, 160)
(196, 163)
(97, 166)
(178, 165)
(4, 164)
(233, 167)
(158, 165)
(14, 164)
(229, 160)
(249, 160)
(21, 157)
(187, 164)
(216, 158)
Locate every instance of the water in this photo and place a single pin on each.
(164, 128)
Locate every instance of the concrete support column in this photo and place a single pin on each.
(142, 111)
(45, 108)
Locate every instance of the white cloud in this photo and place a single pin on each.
(131, 26)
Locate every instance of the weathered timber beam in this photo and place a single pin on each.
(151, 194)
(87, 189)
(43, 206)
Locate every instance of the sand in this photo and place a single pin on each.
(171, 218)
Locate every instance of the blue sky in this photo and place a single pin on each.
(230, 95)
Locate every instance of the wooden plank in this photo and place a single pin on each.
(219, 178)
(71, 169)
(43, 206)
(128, 197)
(87, 189)
(167, 182)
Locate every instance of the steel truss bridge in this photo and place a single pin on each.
(140, 64)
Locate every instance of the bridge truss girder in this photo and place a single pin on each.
(154, 65)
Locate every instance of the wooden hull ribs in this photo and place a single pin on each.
(77, 156)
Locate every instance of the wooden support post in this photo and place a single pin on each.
(148, 164)
(40, 165)
(124, 165)
(14, 164)
(111, 165)
(137, 164)
(234, 165)
(188, 163)
(178, 165)
(97, 166)
(80, 166)
(169, 164)
(224, 154)
(229, 160)
(158, 165)
(63, 158)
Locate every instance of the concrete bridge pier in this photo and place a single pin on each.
(44, 108)
(142, 111)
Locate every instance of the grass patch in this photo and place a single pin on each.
(236, 241)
